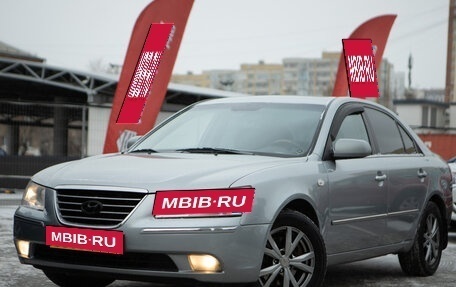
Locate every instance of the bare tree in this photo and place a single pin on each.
(98, 66)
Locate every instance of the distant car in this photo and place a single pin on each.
(453, 171)
(261, 190)
(452, 160)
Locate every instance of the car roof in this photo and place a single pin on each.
(316, 100)
(274, 99)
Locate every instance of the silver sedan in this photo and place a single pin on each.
(259, 190)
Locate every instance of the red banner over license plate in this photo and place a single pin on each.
(200, 202)
(94, 240)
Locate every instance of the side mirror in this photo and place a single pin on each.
(132, 141)
(351, 148)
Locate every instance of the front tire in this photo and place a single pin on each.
(424, 257)
(68, 279)
(295, 253)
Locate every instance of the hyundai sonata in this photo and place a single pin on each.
(258, 190)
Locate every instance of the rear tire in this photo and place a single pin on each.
(295, 253)
(424, 257)
(64, 278)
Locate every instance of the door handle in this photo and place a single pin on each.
(380, 176)
(421, 173)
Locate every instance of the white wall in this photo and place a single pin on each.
(411, 114)
(453, 117)
(97, 127)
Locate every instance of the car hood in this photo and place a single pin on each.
(156, 171)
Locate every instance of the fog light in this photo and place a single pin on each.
(23, 248)
(204, 263)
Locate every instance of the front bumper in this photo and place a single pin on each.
(152, 249)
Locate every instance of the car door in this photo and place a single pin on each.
(357, 191)
(408, 178)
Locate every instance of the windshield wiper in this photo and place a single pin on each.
(213, 150)
(148, 150)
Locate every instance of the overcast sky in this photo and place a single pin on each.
(222, 34)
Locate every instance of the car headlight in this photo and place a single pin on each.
(34, 196)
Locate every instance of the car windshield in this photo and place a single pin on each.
(275, 129)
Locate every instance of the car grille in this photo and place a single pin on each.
(96, 207)
(129, 260)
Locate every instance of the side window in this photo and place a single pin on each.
(386, 132)
(409, 145)
(353, 128)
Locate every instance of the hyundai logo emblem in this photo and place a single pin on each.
(91, 207)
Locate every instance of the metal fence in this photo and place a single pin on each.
(34, 135)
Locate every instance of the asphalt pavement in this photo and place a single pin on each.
(10, 196)
(377, 272)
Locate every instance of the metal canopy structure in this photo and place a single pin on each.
(48, 107)
(36, 84)
(34, 94)
(45, 83)
(16, 75)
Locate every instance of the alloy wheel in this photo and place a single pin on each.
(431, 239)
(289, 259)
